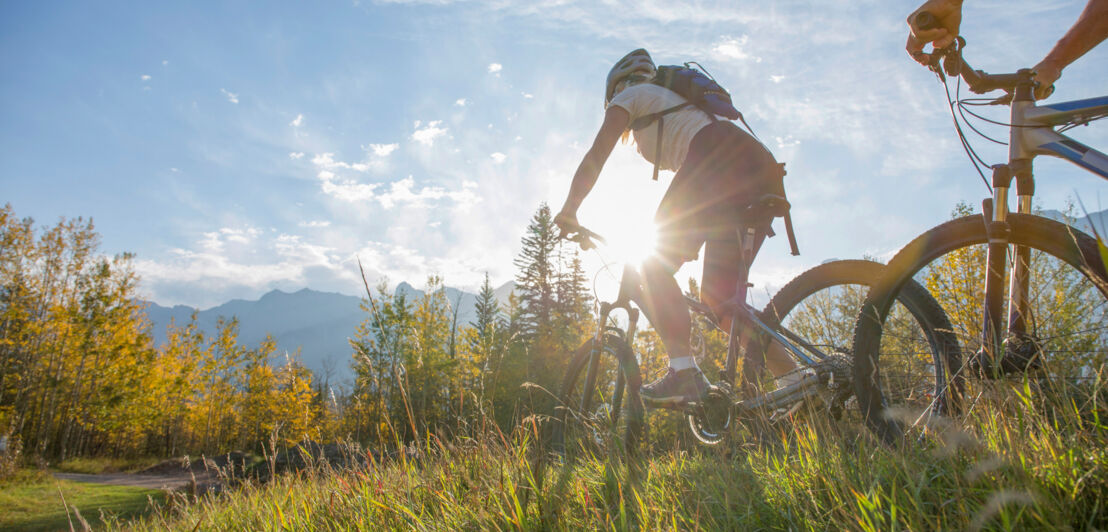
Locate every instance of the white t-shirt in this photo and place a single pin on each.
(680, 126)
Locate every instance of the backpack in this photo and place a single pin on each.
(701, 90)
(698, 89)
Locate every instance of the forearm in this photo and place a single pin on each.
(615, 122)
(583, 181)
(1090, 29)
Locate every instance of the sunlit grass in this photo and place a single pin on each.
(1038, 466)
(33, 500)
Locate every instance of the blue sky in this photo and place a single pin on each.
(238, 147)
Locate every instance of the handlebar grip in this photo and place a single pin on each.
(925, 21)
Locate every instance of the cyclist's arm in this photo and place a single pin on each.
(615, 123)
(1090, 29)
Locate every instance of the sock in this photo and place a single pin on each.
(682, 363)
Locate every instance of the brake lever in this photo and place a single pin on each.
(580, 236)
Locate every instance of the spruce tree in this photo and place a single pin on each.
(537, 275)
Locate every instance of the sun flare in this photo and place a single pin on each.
(630, 243)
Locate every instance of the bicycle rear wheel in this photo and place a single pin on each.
(1068, 315)
(822, 304)
(600, 409)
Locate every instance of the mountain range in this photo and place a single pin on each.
(318, 324)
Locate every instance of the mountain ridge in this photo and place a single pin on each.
(317, 324)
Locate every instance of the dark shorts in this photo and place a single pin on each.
(724, 171)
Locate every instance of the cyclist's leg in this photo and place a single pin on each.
(664, 305)
(722, 273)
(681, 232)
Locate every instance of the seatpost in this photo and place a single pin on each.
(995, 211)
(741, 337)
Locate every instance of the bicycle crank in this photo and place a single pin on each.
(710, 420)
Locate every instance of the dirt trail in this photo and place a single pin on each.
(172, 481)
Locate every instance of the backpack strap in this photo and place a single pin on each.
(748, 128)
(646, 120)
(792, 236)
(787, 216)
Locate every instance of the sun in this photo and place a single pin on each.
(630, 243)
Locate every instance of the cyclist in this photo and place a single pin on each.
(720, 169)
(1090, 29)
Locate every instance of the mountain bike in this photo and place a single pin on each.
(1055, 327)
(600, 409)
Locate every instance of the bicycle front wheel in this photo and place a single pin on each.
(600, 409)
(1067, 316)
(822, 304)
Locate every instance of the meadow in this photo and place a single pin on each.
(1024, 462)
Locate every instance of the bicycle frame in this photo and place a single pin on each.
(630, 291)
(1031, 134)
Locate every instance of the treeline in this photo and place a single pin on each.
(80, 374)
(419, 372)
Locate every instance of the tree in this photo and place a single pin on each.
(553, 304)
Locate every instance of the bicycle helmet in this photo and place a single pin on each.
(636, 61)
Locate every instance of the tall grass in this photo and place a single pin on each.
(1036, 462)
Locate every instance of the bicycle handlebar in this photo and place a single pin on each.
(954, 65)
(582, 236)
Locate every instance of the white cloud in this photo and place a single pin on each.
(788, 141)
(495, 68)
(231, 97)
(498, 157)
(297, 121)
(734, 49)
(296, 155)
(777, 79)
(400, 192)
(327, 161)
(383, 150)
(165, 62)
(344, 189)
(427, 135)
(461, 102)
(146, 77)
(216, 240)
(315, 223)
(528, 95)
(233, 259)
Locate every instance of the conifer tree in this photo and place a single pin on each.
(537, 275)
(553, 305)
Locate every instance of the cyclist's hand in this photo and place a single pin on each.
(1046, 73)
(948, 17)
(567, 223)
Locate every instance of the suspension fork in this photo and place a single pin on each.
(594, 358)
(1020, 157)
(1021, 269)
(995, 213)
(995, 328)
(598, 346)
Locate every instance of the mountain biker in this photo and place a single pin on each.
(719, 170)
(1090, 29)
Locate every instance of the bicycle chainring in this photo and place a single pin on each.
(711, 420)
